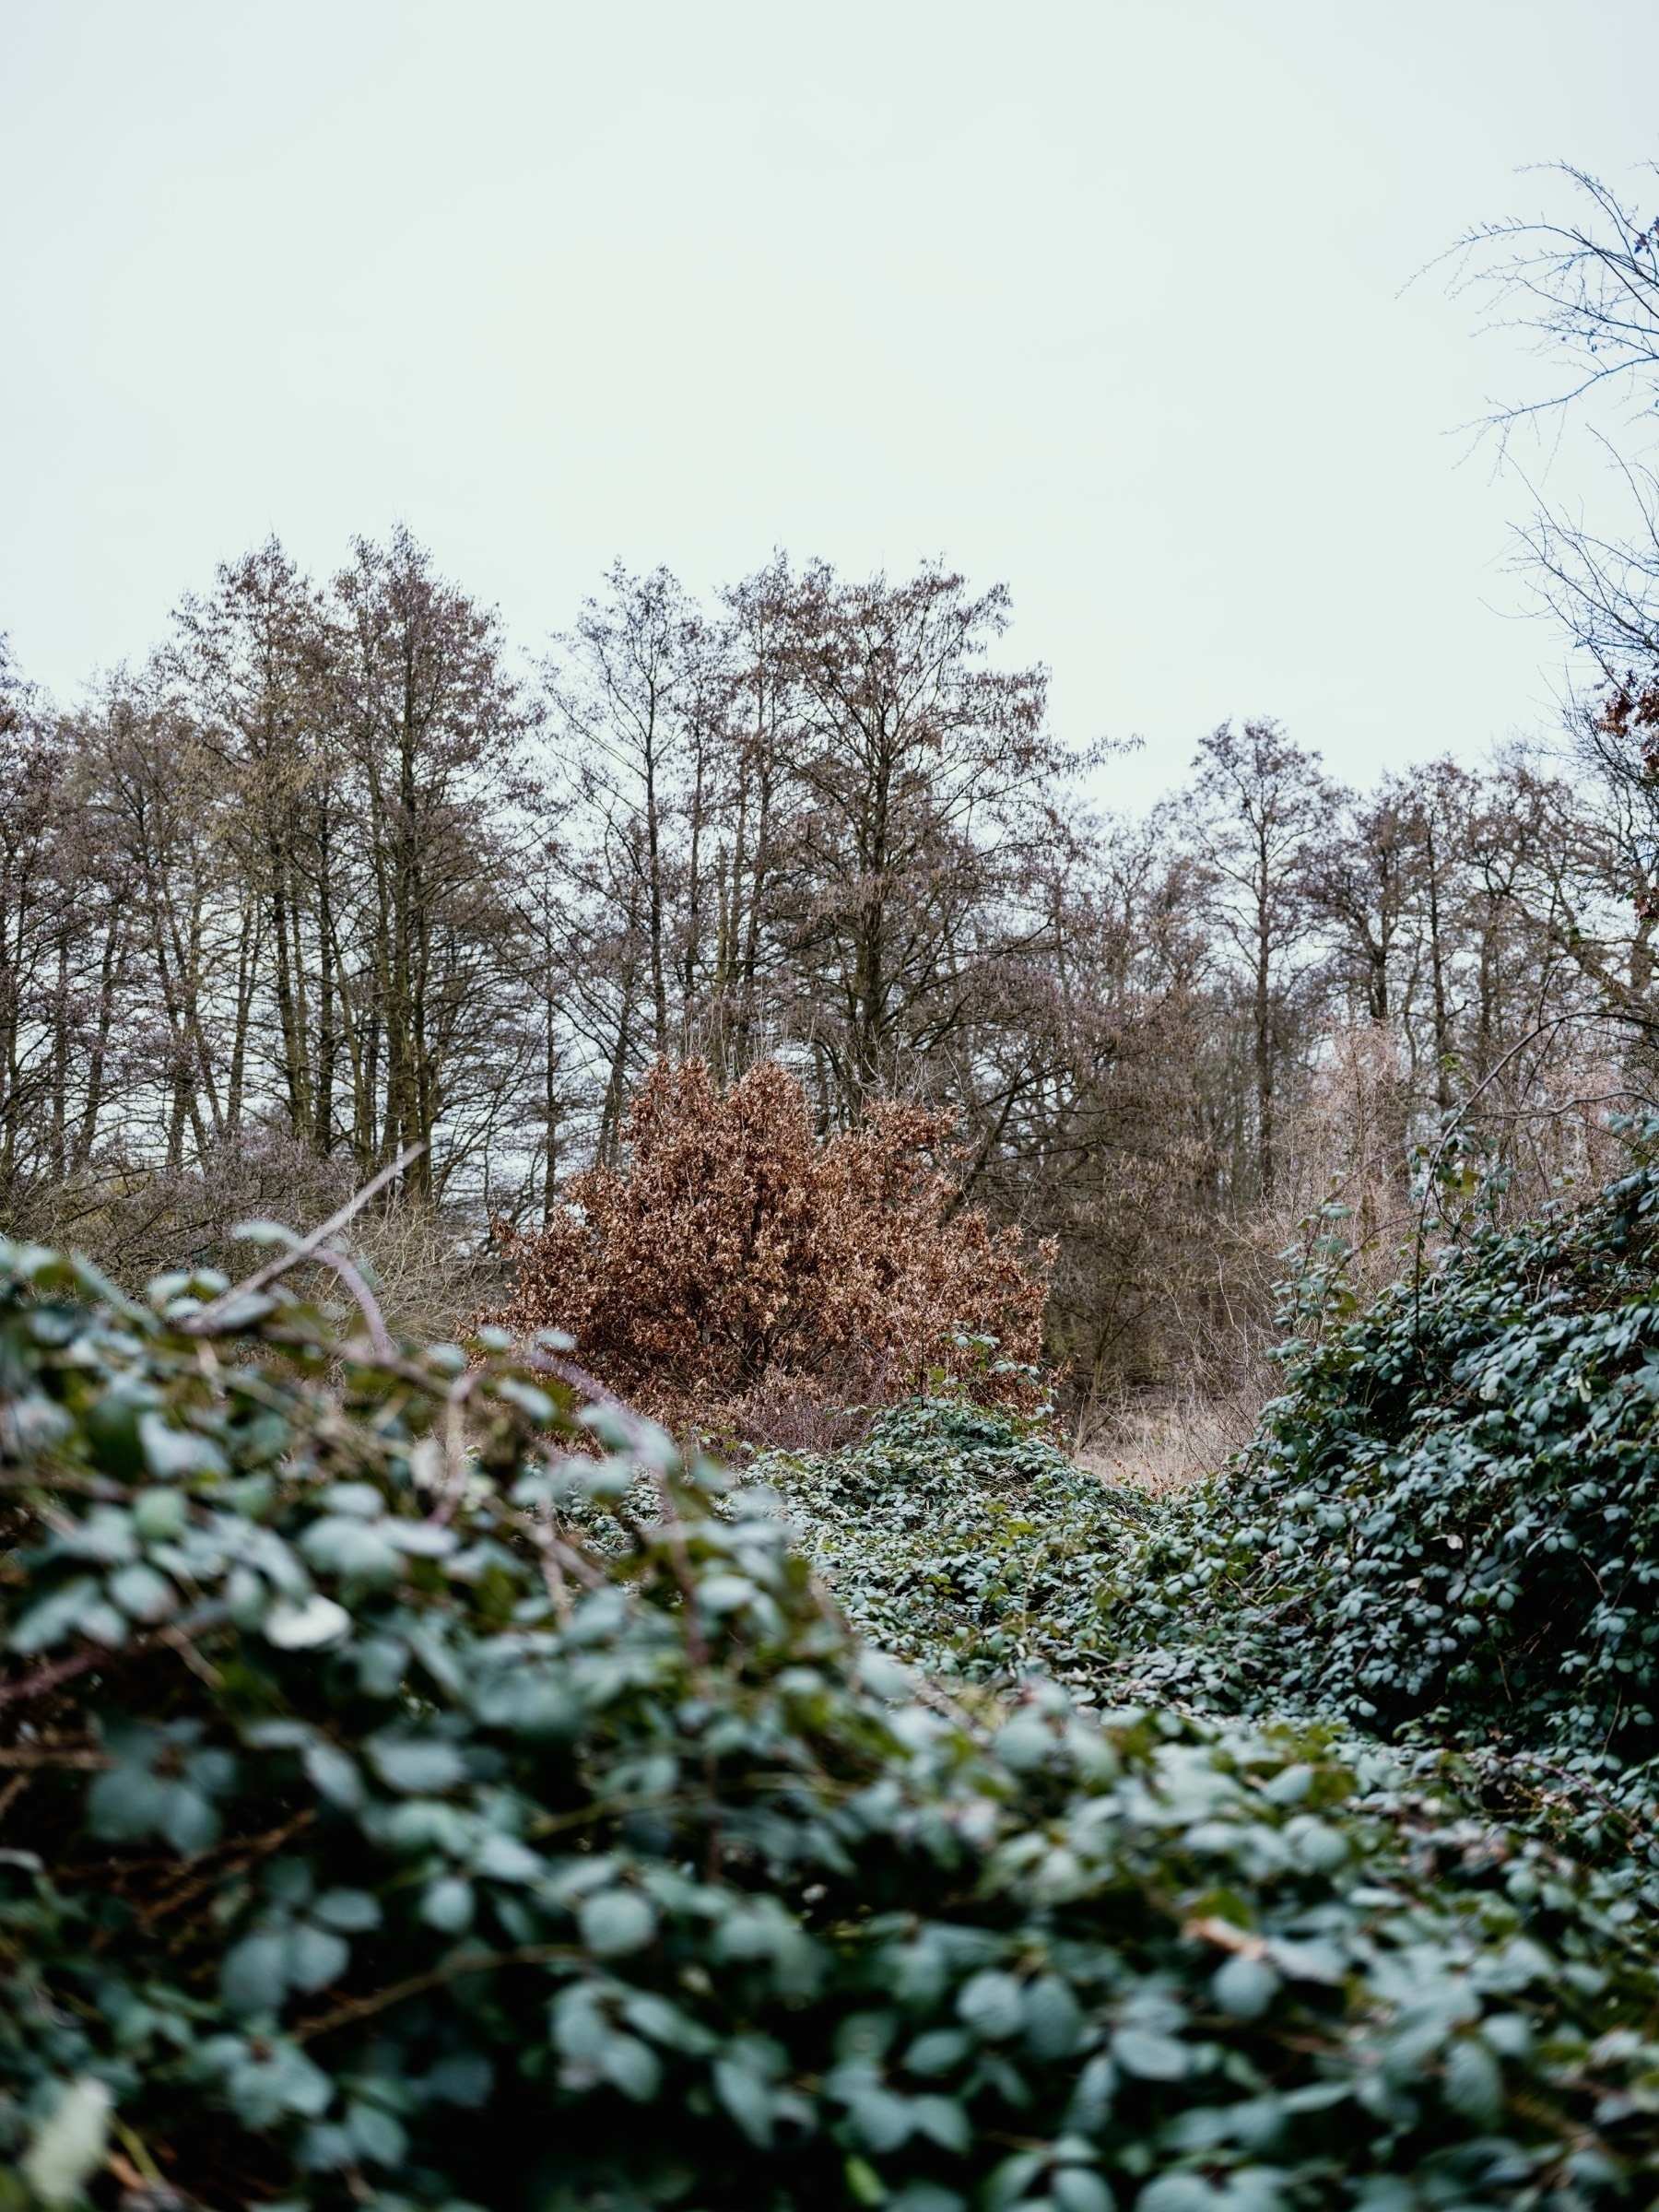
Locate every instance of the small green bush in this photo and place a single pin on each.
(370, 1840)
(961, 1539)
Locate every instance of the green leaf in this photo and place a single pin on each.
(937, 2051)
(353, 1912)
(666, 2024)
(358, 1501)
(1148, 2055)
(126, 1804)
(286, 2082)
(865, 2185)
(55, 1618)
(580, 2027)
(882, 2120)
(314, 1957)
(1474, 2083)
(928, 2196)
(354, 1551)
(174, 1455)
(504, 1859)
(1246, 1987)
(187, 1819)
(305, 1625)
(254, 1978)
(944, 2122)
(1054, 2018)
(68, 2147)
(992, 2004)
(719, 1593)
(1188, 2193)
(1079, 2189)
(160, 1516)
(418, 1766)
(142, 1594)
(334, 1775)
(617, 1921)
(632, 2066)
(449, 1905)
(375, 2134)
(748, 2098)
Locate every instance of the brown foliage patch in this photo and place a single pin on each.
(742, 1275)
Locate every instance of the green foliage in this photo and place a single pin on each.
(372, 1839)
(1449, 1522)
(961, 1539)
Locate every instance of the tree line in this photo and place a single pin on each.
(336, 871)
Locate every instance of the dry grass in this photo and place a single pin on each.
(1348, 1144)
(1164, 1442)
(429, 1267)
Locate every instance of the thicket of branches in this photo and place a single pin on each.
(335, 873)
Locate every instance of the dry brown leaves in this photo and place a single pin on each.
(743, 1276)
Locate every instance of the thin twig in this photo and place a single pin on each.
(379, 1335)
(207, 1322)
(203, 1669)
(462, 1962)
(578, 1377)
(26, 1755)
(1446, 1136)
(86, 1485)
(60, 1670)
(455, 1447)
(928, 1693)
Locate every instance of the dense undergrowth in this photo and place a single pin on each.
(1448, 1525)
(417, 1790)
(961, 1539)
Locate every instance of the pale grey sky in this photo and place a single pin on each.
(1100, 298)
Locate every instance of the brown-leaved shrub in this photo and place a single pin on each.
(745, 1277)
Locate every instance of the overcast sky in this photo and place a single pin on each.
(1101, 299)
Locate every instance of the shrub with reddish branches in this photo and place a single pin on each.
(744, 1277)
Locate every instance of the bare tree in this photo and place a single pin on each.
(1583, 288)
(434, 731)
(44, 931)
(630, 695)
(1259, 804)
(249, 669)
(923, 777)
(305, 888)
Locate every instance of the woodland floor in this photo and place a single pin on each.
(1163, 1442)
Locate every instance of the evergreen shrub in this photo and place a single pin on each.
(961, 1539)
(1449, 1522)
